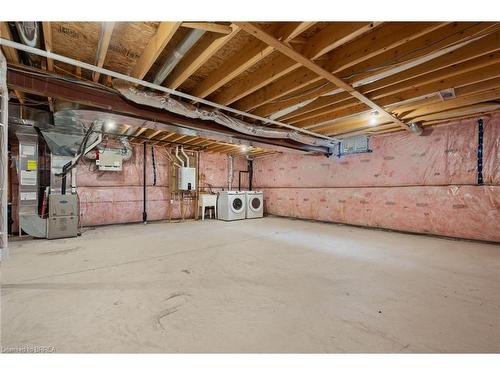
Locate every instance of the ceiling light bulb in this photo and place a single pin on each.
(373, 118)
(110, 125)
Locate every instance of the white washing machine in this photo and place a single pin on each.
(231, 205)
(255, 204)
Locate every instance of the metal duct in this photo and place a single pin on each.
(416, 128)
(28, 32)
(150, 99)
(180, 50)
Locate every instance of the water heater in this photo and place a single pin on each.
(187, 178)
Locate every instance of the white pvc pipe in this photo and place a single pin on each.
(184, 154)
(177, 155)
(67, 60)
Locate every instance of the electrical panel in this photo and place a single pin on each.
(110, 160)
(186, 178)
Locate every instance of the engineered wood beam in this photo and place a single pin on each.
(482, 47)
(380, 40)
(47, 38)
(479, 75)
(309, 64)
(207, 47)
(254, 52)
(372, 92)
(456, 33)
(155, 46)
(102, 48)
(282, 65)
(464, 95)
(208, 26)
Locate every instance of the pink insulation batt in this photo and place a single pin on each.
(117, 197)
(410, 183)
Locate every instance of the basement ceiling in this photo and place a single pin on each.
(265, 69)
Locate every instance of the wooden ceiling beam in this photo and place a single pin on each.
(454, 103)
(378, 41)
(461, 111)
(208, 46)
(369, 90)
(47, 38)
(456, 33)
(479, 75)
(102, 48)
(155, 46)
(283, 48)
(282, 65)
(441, 37)
(253, 52)
(480, 62)
(208, 26)
(11, 54)
(482, 47)
(465, 95)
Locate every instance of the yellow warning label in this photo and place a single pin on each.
(32, 165)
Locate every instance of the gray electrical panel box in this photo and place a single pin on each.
(63, 216)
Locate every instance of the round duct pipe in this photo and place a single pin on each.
(416, 128)
(28, 32)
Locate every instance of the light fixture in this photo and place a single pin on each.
(373, 118)
(245, 148)
(110, 125)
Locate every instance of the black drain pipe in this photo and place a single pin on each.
(480, 132)
(144, 212)
(250, 175)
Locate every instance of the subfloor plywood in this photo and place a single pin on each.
(265, 285)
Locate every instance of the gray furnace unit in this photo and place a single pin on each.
(63, 216)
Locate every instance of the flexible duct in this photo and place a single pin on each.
(150, 99)
(28, 32)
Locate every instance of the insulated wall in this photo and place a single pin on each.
(412, 183)
(117, 197)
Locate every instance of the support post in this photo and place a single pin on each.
(144, 212)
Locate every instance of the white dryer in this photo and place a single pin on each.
(255, 204)
(231, 205)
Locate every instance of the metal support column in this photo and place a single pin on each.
(144, 212)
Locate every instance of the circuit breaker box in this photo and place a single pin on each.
(186, 178)
(110, 160)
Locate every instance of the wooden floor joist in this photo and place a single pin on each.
(325, 77)
(304, 61)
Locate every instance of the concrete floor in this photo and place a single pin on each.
(269, 285)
